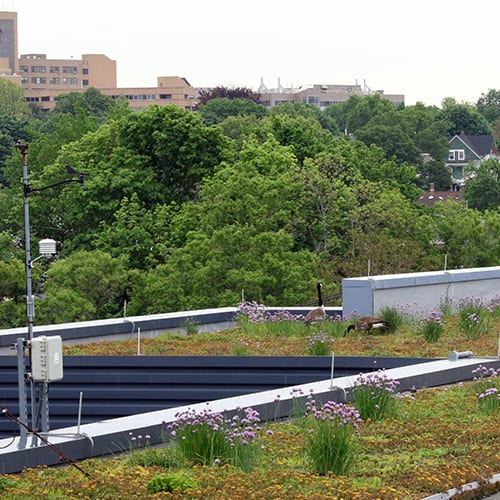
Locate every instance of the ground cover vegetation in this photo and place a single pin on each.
(384, 444)
(183, 210)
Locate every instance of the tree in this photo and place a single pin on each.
(434, 172)
(160, 154)
(358, 111)
(93, 282)
(218, 109)
(392, 139)
(205, 95)
(464, 118)
(12, 291)
(304, 135)
(489, 105)
(482, 184)
(12, 101)
(91, 102)
(11, 130)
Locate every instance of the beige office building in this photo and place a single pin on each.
(44, 79)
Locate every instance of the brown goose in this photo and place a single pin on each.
(367, 323)
(319, 313)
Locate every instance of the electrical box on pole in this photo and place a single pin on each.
(46, 358)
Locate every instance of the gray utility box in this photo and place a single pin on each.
(46, 358)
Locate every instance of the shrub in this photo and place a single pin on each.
(330, 443)
(374, 395)
(171, 482)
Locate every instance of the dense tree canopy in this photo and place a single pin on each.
(183, 210)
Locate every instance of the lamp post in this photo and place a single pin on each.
(38, 390)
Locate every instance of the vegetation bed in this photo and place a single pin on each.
(435, 440)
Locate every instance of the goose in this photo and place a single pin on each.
(319, 313)
(367, 323)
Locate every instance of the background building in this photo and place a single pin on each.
(44, 79)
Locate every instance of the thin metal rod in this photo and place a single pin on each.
(53, 447)
(79, 413)
(30, 302)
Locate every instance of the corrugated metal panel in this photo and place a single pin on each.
(116, 386)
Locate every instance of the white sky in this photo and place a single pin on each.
(424, 49)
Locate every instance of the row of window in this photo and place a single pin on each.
(53, 80)
(52, 69)
(456, 155)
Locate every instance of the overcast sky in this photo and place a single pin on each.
(424, 49)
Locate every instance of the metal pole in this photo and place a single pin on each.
(21, 384)
(30, 303)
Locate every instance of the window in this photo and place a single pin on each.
(24, 80)
(165, 96)
(23, 69)
(312, 99)
(38, 69)
(456, 155)
(45, 98)
(54, 80)
(70, 81)
(38, 80)
(53, 69)
(70, 69)
(85, 71)
(85, 83)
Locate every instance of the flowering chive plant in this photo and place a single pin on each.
(474, 317)
(256, 318)
(318, 344)
(431, 326)
(375, 395)
(207, 438)
(486, 385)
(330, 445)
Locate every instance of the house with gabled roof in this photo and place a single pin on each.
(464, 149)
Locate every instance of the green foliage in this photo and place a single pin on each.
(12, 291)
(166, 457)
(12, 101)
(221, 92)
(434, 172)
(318, 344)
(8, 482)
(394, 316)
(91, 102)
(375, 395)
(92, 283)
(482, 185)
(431, 326)
(464, 118)
(211, 438)
(475, 318)
(489, 105)
(330, 442)
(217, 110)
(174, 482)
